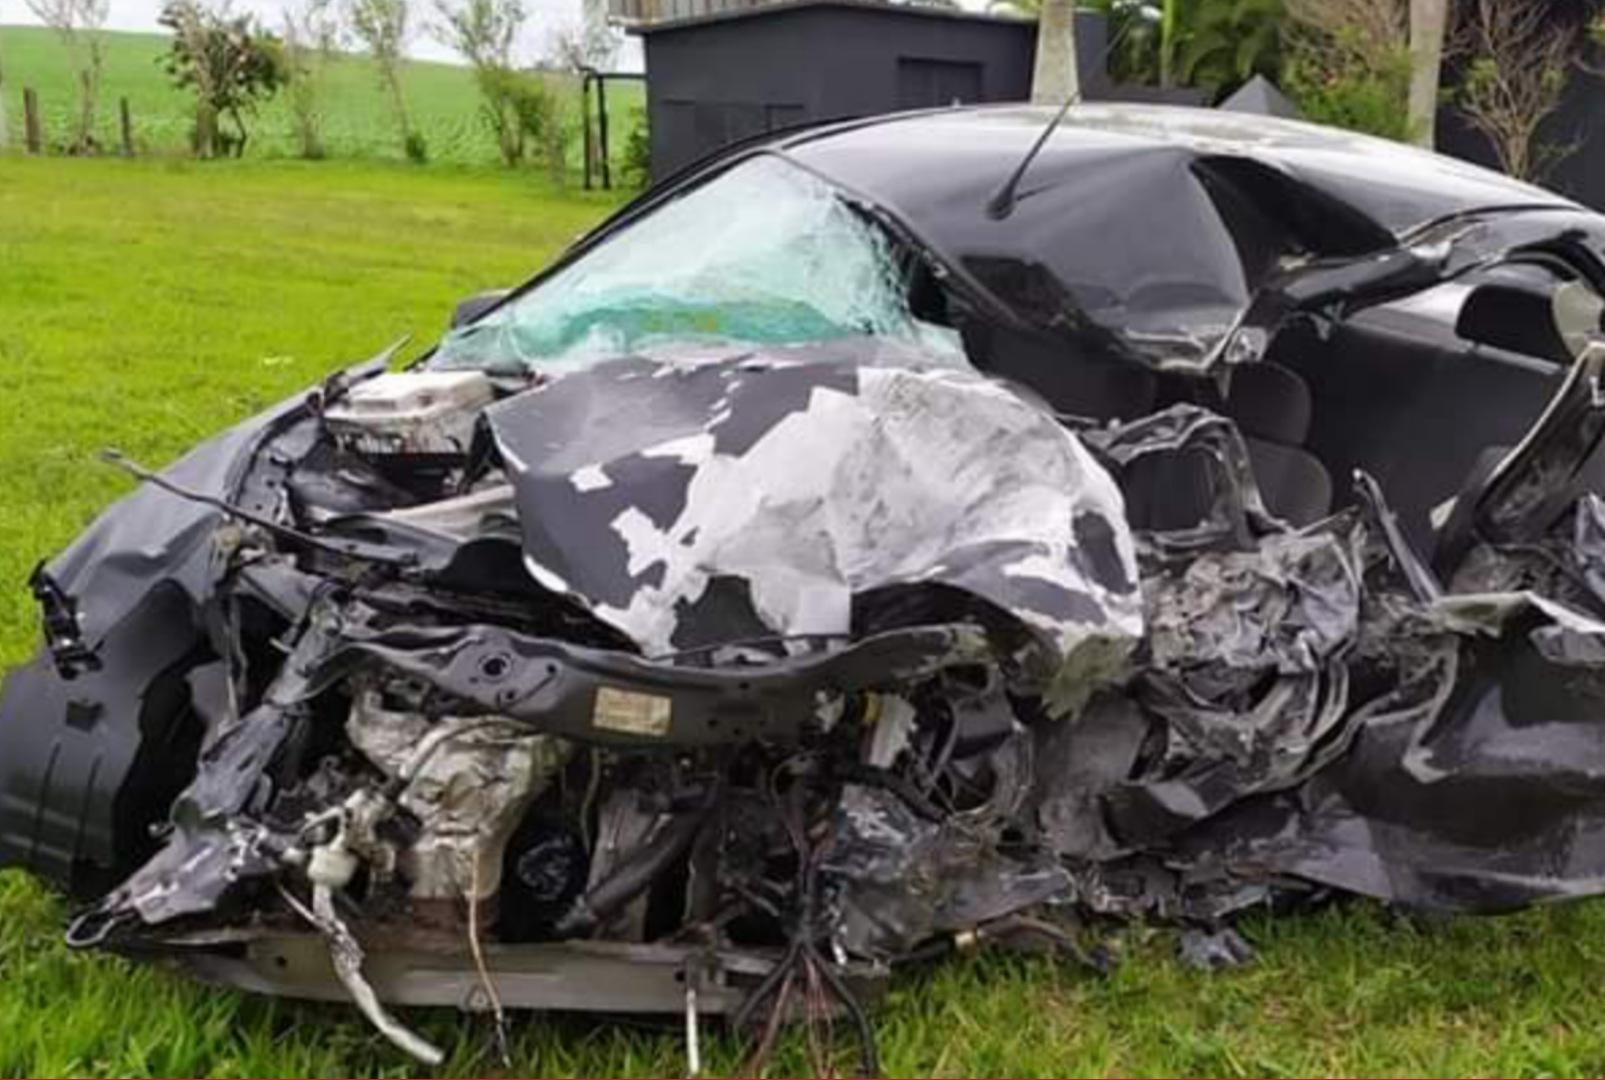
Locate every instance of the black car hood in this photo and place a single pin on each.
(753, 498)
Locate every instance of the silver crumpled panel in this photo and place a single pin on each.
(694, 505)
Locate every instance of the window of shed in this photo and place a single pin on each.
(766, 253)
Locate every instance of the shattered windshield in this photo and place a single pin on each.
(766, 253)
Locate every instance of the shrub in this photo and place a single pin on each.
(545, 119)
(636, 168)
(1347, 63)
(1369, 97)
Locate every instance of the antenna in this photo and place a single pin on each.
(1001, 204)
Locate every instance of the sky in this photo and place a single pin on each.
(546, 16)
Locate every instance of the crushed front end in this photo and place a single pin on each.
(721, 674)
(718, 642)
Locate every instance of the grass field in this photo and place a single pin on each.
(145, 304)
(358, 123)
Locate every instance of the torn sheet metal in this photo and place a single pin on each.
(1455, 766)
(700, 505)
(899, 880)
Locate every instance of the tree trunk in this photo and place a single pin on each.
(1055, 79)
(5, 128)
(239, 127)
(205, 130)
(1169, 24)
(398, 100)
(86, 110)
(1429, 23)
(88, 92)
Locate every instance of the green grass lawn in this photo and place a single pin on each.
(358, 123)
(146, 304)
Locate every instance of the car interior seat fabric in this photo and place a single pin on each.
(1295, 485)
(1272, 407)
(1410, 404)
(1269, 402)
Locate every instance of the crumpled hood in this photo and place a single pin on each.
(759, 496)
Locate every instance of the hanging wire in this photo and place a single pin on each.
(803, 964)
(477, 949)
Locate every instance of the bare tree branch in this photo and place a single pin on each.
(1348, 62)
(78, 24)
(311, 36)
(485, 33)
(1520, 61)
(1361, 29)
(383, 27)
(5, 127)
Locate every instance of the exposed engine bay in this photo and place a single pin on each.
(726, 680)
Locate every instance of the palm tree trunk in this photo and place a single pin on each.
(5, 130)
(1056, 78)
(1169, 20)
(1429, 22)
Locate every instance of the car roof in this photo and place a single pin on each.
(933, 165)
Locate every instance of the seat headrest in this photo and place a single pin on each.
(1269, 402)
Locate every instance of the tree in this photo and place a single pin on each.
(1429, 26)
(1169, 39)
(485, 33)
(228, 62)
(5, 129)
(78, 24)
(1027, 8)
(382, 26)
(311, 34)
(1520, 61)
(579, 46)
(1224, 43)
(1213, 44)
(1348, 63)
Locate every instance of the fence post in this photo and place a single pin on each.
(601, 132)
(585, 125)
(127, 126)
(30, 119)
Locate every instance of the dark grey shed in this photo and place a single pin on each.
(718, 78)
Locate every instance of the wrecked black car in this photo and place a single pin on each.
(890, 538)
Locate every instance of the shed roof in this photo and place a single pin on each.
(763, 10)
(1261, 97)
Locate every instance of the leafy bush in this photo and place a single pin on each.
(229, 63)
(636, 168)
(1230, 41)
(1348, 63)
(1215, 44)
(1369, 97)
(416, 148)
(546, 120)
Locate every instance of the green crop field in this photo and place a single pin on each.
(358, 123)
(146, 304)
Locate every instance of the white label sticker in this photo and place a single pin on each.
(632, 713)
